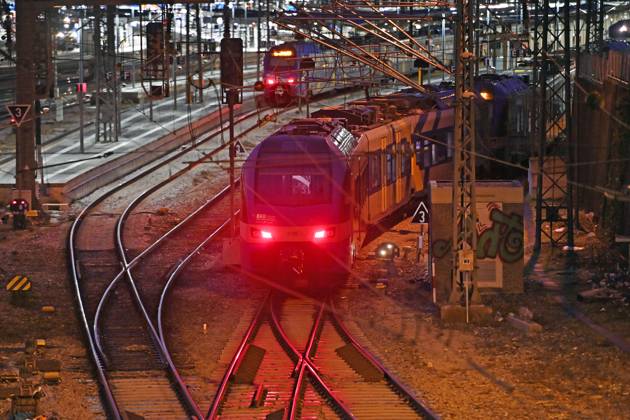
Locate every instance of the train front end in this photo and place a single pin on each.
(281, 74)
(295, 218)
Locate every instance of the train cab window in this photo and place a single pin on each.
(283, 58)
(375, 171)
(298, 186)
(390, 165)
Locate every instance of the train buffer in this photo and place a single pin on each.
(19, 284)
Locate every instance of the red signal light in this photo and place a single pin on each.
(291, 80)
(261, 234)
(270, 81)
(324, 233)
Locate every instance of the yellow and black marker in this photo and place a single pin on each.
(19, 283)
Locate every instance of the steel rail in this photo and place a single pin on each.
(174, 274)
(304, 360)
(105, 390)
(128, 265)
(418, 405)
(111, 405)
(299, 381)
(96, 351)
(156, 334)
(213, 411)
(154, 245)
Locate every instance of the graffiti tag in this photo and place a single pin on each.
(503, 239)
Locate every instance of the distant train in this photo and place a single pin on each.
(312, 190)
(620, 31)
(287, 68)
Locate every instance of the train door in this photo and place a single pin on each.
(360, 173)
(399, 158)
(405, 167)
(389, 184)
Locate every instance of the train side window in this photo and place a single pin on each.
(406, 157)
(424, 152)
(450, 144)
(375, 171)
(390, 165)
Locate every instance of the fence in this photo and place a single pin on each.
(614, 65)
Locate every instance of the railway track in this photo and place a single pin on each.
(131, 367)
(297, 360)
(124, 322)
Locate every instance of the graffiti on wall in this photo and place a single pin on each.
(502, 237)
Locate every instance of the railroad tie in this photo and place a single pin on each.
(248, 367)
(275, 415)
(359, 363)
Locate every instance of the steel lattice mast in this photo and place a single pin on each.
(464, 197)
(552, 119)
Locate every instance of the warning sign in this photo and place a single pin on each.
(19, 284)
(422, 214)
(18, 112)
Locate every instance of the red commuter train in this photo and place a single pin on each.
(311, 190)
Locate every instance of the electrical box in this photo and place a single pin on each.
(232, 68)
(466, 260)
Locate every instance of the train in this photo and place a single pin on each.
(313, 191)
(293, 68)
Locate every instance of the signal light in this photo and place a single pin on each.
(291, 80)
(261, 234)
(270, 81)
(486, 95)
(324, 233)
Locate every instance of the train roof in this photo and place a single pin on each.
(365, 114)
(310, 136)
(504, 83)
(302, 48)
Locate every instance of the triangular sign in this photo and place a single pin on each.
(239, 147)
(422, 214)
(18, 112)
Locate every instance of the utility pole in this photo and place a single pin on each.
(188, 91)
(231, 84)
(464, 196)
(258, 35)
(199, 52)
(26, 13)
(553, 123)
(80, 87)
(98, 71)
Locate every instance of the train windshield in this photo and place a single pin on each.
(293, 186)
(282, 59)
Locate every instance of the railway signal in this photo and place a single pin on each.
(231, 69)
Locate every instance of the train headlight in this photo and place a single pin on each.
(486, 95)
(324, 233)
(387, 251)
